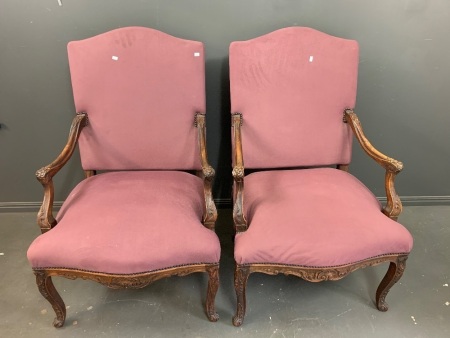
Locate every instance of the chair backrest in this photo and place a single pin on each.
(292, 87)
(141, 89)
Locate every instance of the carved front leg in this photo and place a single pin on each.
(240, 283)
(392, 276)
(213, 286)
(46, 288)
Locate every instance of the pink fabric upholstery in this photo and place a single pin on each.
(292, 87)
(129, 222)
(141, 89)
(316, 218)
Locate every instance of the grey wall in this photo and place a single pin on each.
(404, 78)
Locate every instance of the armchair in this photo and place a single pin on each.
(140, 98)
(301, 212)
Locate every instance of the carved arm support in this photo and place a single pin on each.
(393, 206)
(208, 173)
(45, 218)
(240, 223)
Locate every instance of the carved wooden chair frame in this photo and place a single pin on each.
(392, 210)
(46, 222)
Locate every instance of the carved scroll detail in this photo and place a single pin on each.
(238, 172)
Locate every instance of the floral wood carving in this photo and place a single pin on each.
(238, 172)
(319, 274)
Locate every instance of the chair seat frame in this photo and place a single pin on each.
(46, 222)
(392, 209)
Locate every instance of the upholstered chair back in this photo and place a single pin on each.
(141, 89)
(292, 87)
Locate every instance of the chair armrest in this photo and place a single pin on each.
(45, 218)
(393, 206)
(240, 223)
(208, 173)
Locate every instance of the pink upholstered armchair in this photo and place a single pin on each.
(302, 213)
(140, 98)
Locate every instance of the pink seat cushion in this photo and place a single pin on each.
(129, 222)
(315, 218)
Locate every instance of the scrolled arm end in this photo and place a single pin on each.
(208, 172)
(43, 175)
(393, 165)
(238, 172)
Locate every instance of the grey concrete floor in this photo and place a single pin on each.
(278, 306)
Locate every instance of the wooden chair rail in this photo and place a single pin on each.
(395, 271)
(131, 281)
(393, 206)
(45, 218)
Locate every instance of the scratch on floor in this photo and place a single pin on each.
(129, 300)
(304, 318)
(343, 313)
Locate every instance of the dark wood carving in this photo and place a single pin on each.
(240, 284)
(45, 218)
(48, 291)
(129, 281)
(240, 222)
(213, 286)
(393, 206)
(394, 273)
(319, 274)
(208, 173)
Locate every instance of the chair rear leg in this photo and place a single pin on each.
(213, 286)
(392, 276)
(47, 289)
(240, 284)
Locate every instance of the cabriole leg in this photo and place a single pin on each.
(392, 276)
(213, 286)
(240, 283)
(46, 288)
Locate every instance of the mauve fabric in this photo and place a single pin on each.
(129, 222)
(141, 89)
(316, 218)
(292, 87)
